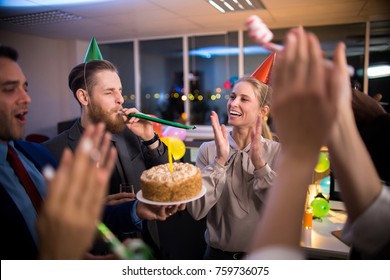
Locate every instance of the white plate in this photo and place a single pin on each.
(147, 201)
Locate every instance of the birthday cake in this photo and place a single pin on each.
(160, 185)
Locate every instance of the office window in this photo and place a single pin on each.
(254, 55)
(161, 63)
(122, 56)
(213, 67)
(353, 35)
(379, 82)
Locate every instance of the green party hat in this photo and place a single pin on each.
(93, 52)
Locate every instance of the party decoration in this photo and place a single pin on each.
(325, 186)
(260, 33)
(233, 80)
(178, 148)
(135, 250)
(157, 127)
(93, 52)
(322, 164)
(175, 132)
(258, 30)
(263, 72)
(158, 120)
(227, 85)
(320, 207)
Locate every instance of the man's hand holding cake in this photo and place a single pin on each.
(157, 212)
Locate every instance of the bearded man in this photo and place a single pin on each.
(97, 88)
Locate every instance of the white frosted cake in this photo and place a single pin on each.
(159, 184)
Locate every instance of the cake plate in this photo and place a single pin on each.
(161, 203)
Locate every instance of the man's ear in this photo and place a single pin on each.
(82, 96)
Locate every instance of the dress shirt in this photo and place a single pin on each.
(16, 191)
(370, 232)
(137, 221)
(235, 194)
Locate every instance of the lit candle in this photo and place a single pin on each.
(170, 155)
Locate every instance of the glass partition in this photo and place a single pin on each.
(161, 63)
(213, 64)
(379, 65)
(213, 68)
(122, 56)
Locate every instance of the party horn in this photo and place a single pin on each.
(119, 250)
(261, 34)
(157, 120)
(136, 250)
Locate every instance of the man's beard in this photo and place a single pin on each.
(113, 125)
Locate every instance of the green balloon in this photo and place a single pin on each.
(323, 163)
(320, 207)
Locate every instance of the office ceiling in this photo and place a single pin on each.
(120, 20)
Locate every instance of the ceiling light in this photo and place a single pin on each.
(378, 71)
(228, 5)
(215, 5)
(249, 3)
(236, 5)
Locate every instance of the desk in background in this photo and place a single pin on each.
(319, 242)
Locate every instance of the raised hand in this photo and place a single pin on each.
(140, 127)
(304, 106)
(255, 152)
(221, 140)
(76, 195)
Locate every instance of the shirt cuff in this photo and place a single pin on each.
(137, 221)
(157, 152)
(217, 168)
(374, 218)
(258, 173)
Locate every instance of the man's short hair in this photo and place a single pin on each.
(8, 52)
(82, 75)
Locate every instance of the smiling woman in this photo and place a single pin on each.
(237, 169)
